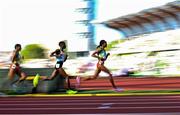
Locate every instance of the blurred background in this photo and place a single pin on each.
(143, 36)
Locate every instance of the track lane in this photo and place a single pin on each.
(157, 104)
(90, 105)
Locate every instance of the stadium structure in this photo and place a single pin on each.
(150, 41)
(148, 21)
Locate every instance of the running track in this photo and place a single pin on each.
(91, 105)
(160, 105)
(129, 83)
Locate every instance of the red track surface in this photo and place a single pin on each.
(102, 105)
(128, 83)
(90, 105)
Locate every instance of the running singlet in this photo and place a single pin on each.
(102, 54)
(17, 59)
(61, 57)
(60, 60)
(16, 62)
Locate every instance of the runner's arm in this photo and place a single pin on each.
(94, 54)
(65, 58)
(13, 56)
(53, 54)
(107, 56)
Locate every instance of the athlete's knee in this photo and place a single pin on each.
(23, 76)
(110, 76)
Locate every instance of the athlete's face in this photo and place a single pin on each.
(18, 48)
(104, 45)
(63, 46)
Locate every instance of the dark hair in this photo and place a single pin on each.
(57, 51)
(101, 43)
(17, 45)
(62, 44)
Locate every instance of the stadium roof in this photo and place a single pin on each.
(161, 18)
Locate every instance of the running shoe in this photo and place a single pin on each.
(36, 80)
(71, 92)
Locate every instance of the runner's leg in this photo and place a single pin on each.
(65, 75)
(104, 69)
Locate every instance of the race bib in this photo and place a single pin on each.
(13, 66)
(57, 65)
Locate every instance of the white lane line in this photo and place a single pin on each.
(105, 105)
(75, 108)
(84, 98)
(60, 103)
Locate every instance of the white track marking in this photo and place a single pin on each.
(105, 105)
(74, 104)
(88, 108)
(89, 100)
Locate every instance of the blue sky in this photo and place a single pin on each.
(49, 21)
